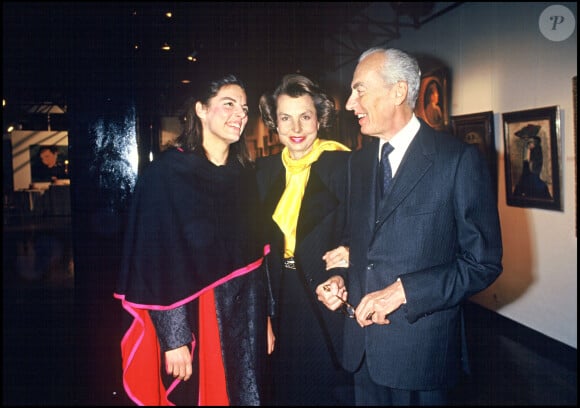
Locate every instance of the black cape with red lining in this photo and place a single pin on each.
(193, 227)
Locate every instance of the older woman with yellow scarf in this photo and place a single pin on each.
(302, 190)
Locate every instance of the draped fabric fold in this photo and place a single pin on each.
(212, 378)
(141, 353)
(137, 347)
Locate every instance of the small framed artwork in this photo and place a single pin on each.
(275, 148)
(433, 100)
(532, 168)
(48, 162)
(253, 148)
(477, 128)
(266, 142)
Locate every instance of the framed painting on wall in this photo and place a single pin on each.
(478, 129)
(48, 162)
(532, 167)
(25, 146)
(433, 100)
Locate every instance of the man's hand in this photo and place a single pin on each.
(337, 258)
(375, 307)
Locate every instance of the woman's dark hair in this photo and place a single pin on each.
(191, 138)
(296, 85)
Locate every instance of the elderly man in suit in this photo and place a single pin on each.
(423, 238)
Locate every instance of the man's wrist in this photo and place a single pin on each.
(402, 290)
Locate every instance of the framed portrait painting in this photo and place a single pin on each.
(532, 166)
(48, 162)
(433, 100)
(478, 129)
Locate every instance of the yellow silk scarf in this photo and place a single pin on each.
(297, 172)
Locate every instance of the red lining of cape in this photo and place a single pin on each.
(141, 373)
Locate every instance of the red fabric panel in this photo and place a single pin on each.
(141, 370)
(212, 377)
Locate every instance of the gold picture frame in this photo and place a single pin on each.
(433, 100)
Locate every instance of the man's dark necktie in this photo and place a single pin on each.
(385, 168)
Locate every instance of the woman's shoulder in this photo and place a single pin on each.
(334, 157)
(172, 161)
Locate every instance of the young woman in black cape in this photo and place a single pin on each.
(192, 277)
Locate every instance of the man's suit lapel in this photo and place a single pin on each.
(363, 183)
(416, 162)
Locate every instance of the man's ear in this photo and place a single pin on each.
(401, 89)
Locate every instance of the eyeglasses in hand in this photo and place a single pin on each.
(347, 308)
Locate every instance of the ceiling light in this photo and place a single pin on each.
(193, 56)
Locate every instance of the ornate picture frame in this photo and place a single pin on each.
(433, 100)
(532, 168)
(478, 129)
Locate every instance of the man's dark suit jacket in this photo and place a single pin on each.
(438, 230)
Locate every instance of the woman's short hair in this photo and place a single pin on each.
(296, 85)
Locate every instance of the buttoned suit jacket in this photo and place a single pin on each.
(437, 230)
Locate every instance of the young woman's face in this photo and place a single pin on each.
(225, 116)
(297, 124)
